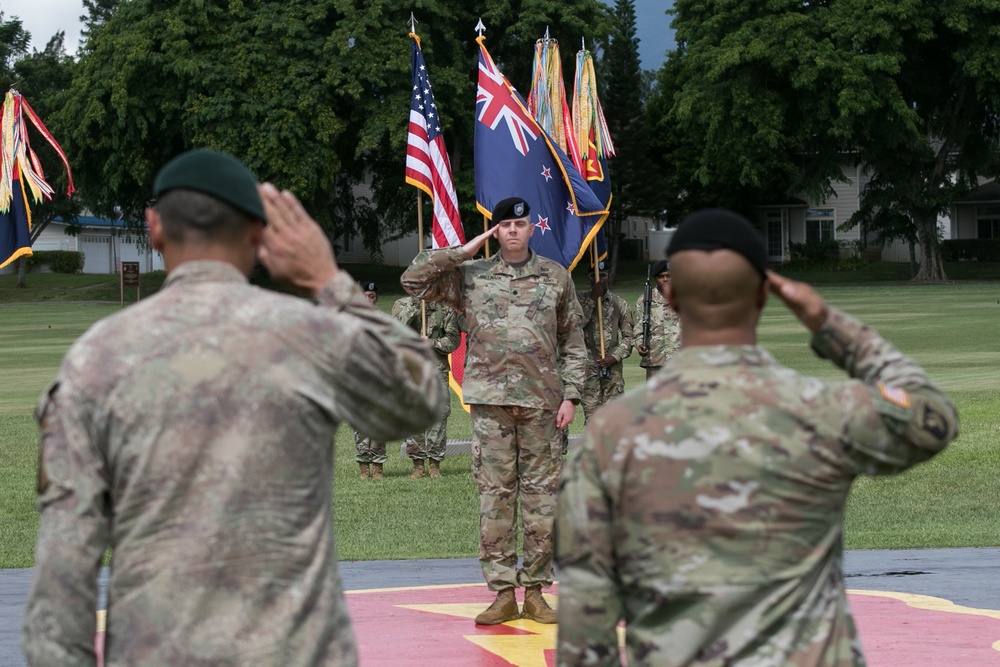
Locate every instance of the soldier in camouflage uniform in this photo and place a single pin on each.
(524, 371)
(444, 335)
(705, 508)
(369, 454)
(664, 325)
(191, 433)
(605, 379)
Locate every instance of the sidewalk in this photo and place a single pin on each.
(915, 608)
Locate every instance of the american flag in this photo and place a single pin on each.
(428, 168)
(427, 164)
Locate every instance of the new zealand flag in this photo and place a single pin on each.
(514, 157)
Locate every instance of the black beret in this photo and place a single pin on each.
(717, 228)
(660, 266)
(509, 209)
(368, 286)
(217, 174)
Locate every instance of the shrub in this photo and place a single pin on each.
(59, 261)
(814, 251)
(971, 250)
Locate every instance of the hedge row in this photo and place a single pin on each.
(59, 261)
(971, 250)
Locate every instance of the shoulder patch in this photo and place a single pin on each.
(894, 395)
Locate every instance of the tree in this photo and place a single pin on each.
(632, 181)
(780, 95)
(314, 96)
(14, 40)
(157, 78)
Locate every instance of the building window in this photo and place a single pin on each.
(820, 223)
(988, 222)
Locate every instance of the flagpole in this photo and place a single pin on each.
(481, 29)
(420, 247)
(486, 228)
(597, 279)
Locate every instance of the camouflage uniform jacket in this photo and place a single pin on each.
(706, 508)
(192, 434)
(664, 331)
(442, 326)
(619, 324)
(524, 345)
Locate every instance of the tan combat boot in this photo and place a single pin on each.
(535, 606)
(418, 469)
(435, 467)
(365, 471)
(503, 609)
(376, 471)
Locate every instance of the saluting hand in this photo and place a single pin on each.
(294, 248)
(473, 246)
(801, 299)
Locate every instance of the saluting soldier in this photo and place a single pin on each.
(525, 361)
(705, 508)
(443, 333)
(191, 433)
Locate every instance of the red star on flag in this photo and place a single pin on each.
(547, 173)
(570, 207)
(543, 224)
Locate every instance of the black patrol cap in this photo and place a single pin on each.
(661, 266)
(368, 286)
(717, 228)
(214, 173)
(509, 209)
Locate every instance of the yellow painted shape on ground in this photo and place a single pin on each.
(521, 650)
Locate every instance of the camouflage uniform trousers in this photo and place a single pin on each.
(431, 443)
(597, 390)
(516, 454)
(367, 450)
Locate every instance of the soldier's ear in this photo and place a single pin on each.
(155, 228)
(762, 293)
(668, 293)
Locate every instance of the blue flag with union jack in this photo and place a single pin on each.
(514, 157)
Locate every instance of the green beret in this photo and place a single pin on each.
(217, 174)
(717, 228)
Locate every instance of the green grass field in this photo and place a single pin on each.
(948, 502)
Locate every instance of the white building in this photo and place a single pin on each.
(102, 241)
